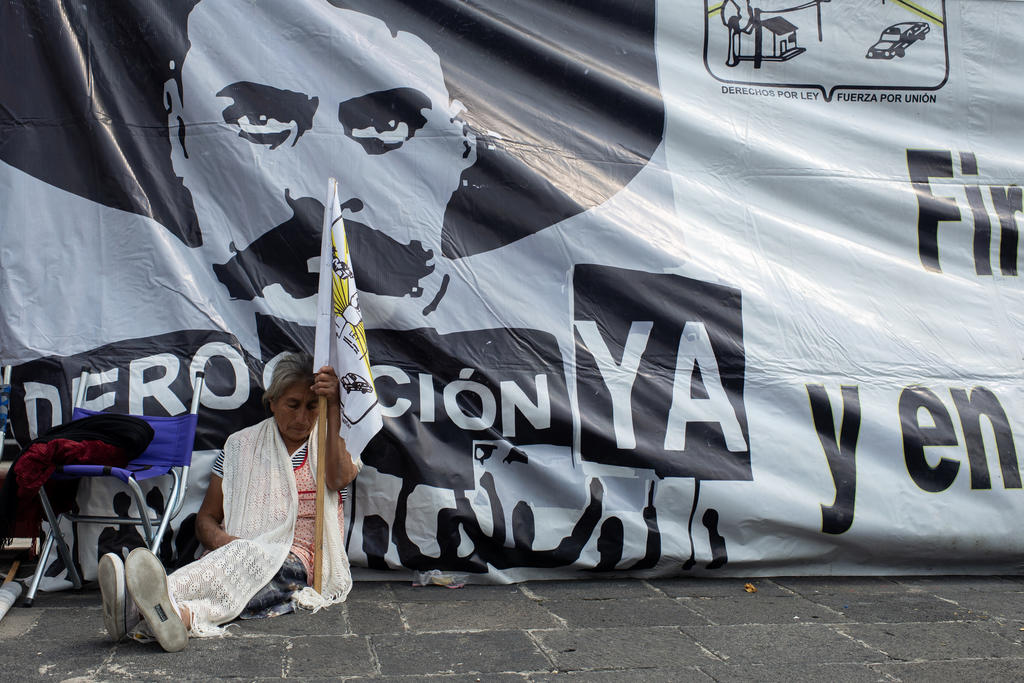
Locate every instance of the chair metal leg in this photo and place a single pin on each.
(170, 510)
(140, 505)
(159, 536)
(44, 555)
(62, 547)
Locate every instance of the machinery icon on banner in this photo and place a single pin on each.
(841, 44)
(758, 35)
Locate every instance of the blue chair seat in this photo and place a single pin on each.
(130, 471)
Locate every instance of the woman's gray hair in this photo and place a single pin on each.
(291, 368)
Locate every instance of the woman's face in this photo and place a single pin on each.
(295, 411)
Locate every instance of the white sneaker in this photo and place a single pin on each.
(147, 584)
(120, 614)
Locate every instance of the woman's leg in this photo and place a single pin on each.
(275, 598)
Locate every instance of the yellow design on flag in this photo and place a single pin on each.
(340, 333)
(341, 296)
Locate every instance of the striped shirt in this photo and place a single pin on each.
(298, 457)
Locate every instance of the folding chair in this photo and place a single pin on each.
(170, 452)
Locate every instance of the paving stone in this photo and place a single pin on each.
(988, 670)
(620, 648)
(235, 656)
(371, 591)
(757, 609)
(945, 585)
(436, 678)
(589, 589)
(938, 641)
(976, 604)
(689, 587)
(88, 596)
(444, 653)
(518, 613)
(329, 657)
(623, 612)
(688, 674)
(803, 672)
(881, 608)
(369, 617)
(782, 644)
(17, 622)
(1016, 580)
(1007, 630)
(410, 593)
(808, 586)
(29, 659)
(330, 620)
(64, 624)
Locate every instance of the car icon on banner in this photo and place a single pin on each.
(353, 382)
(895, 40)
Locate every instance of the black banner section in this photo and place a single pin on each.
(153, 376)
(452, 398)
(659, 373)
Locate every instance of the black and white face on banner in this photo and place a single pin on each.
(391, 135)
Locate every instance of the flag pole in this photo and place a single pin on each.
(325, 291)
(321, 479)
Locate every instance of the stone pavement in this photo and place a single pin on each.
(686, 629)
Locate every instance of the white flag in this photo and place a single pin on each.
(340, 335)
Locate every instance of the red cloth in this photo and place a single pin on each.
(37, 464)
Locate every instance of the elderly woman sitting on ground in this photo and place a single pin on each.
(257, 522)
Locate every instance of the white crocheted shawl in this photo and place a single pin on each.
(260, 508)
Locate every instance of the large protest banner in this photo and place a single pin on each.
(649, 286)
